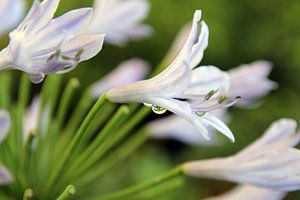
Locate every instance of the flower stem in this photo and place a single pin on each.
(141, 187)
(119, 155)
(28, 194)
(65, 101)
(67, 193)
(91, 154)
(76, 139)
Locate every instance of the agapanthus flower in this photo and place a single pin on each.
(269, 162)
(41, 45)
(248, 192)
(120, 20)
(248, 80)
(11, 12)
(5, 177)
(189, 92)
(126, 72)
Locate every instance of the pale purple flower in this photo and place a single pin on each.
(269, 162)
(5, 177)
(31, 117)
(250, 81)
(11, 12)
(248, 192)
(126, 72)
(41, 45)
(120, 20)
(189, 92)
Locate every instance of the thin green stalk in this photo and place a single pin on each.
(76, 139)
(68, 93)
(91, 154)
(141, 187)
(119, 155)
(85, 102)
(5, 89)
(67, 193)
(160, 190)
(28, 194)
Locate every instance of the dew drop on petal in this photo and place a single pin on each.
(200, 114)
(158, 110)
(147, 104)
(36, 78)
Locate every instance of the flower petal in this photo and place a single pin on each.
(247, 192)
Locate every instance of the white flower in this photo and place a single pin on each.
(250, 81)
(187, 92)
(41, 45)
(247, 192)
(126, 72)
(11, 12)
(270, 162)
(120, 20)
(5, 177)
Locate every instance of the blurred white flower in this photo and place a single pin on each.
(11, 12)
(31, 117)
(270, 162)
(126, 72)
(189, 93)
(120, 20)
(248, 192)
(41, 45)
(5, 177)
(250, 81)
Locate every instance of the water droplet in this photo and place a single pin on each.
(158, 110)
(147, 104)
(200, 114)
(36, 78)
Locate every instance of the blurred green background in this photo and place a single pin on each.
(241, 31)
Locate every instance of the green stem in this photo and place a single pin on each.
(119, 155)
(85, 102)
(67, 193)
(65, 101)
(91, 154)
(28, 194)
(141, 187)
(76, 139)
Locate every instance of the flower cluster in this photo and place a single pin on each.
(49, 145)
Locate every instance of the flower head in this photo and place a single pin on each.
(5, 177)
(120, 20)
(242, 79)
(189, 92)
(11, 12)
(41, 45)
(127, 72)
(270, 162)
(248, 192)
